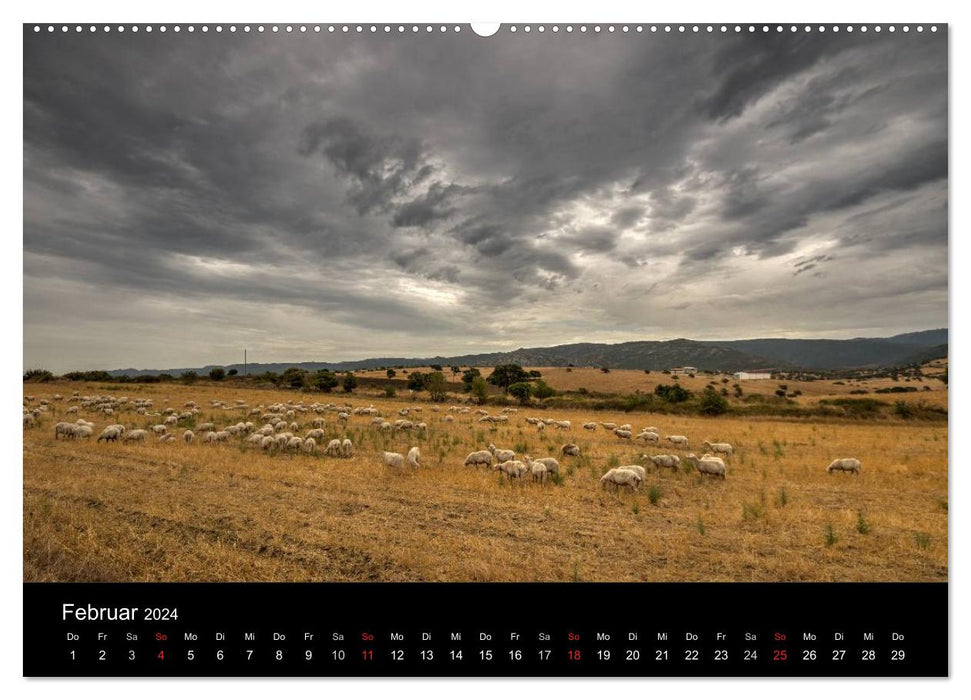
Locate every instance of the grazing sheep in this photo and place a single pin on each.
(637, 469)
(513, 469)
(318, 422)
(309, 445)
(110, 434)
(589, 426)
(712, 466)
(668, 461)
(294, 444)
(386, 426)
(167, 438)
(621, 477)
(541, 426)
(571, 449)
(609, 426)
(333, 448)
(538, 470)
(159, 429)
(203, 427)
(72, 409)
(622, 434)
(449, 419)
(82, 432)
(647, 436)
(255, 439)
(29, 421)
(171, 420)
(65, 429)
(394, 459)
(347, 448)
(268, 442)
(421, 427)
(718, 448)
(414, 457)
(650, 429)
(479, 457)
(135, 436)
(627, 426)
(552, 466)
(846, 464)
(502, 455)
(679, 440)
(316, 434)
(562, 424)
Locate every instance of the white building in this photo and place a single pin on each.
(752, 375)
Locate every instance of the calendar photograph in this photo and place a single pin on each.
(601, 303)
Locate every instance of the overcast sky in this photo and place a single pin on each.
(331, 197)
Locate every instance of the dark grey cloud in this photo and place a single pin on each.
(359, 195)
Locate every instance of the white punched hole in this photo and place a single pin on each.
(485, 28)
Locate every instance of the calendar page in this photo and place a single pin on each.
(537, 349)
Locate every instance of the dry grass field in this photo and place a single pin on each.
(227, 512)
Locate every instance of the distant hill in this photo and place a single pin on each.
(727, 355)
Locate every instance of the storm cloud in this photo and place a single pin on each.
(330, 196)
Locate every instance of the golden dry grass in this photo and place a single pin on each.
(114, 512)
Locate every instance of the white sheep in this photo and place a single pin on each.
(159, 429)
(268, 442)
(347, 448)
(315, 433)
(204, 427)
(167, 438)
(294, 444)
(394, 459)
(539, 472)
(609, 426)
(414, 457)
(309, 445)
(479, 457)
(502, 455)
(718, 448)
(562, 424)
(589, 426)
(648, 436)
(513, 469)
(622, 434)
(29, 421)
(171, 420)
(135, 436)
(449, 419)
(65, 429)
(846, 464)
(679, 440)
(255, 439)
(552, 466)
(667, 461)
(637, 469)
(333, 448)
(621, 477)
(571, 449)
(626, 426)
(708, 465)
(541, 426)
(110, 434)
(82, 431)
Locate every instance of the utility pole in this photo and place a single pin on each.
(244, 363)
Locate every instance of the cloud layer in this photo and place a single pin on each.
(337, 197)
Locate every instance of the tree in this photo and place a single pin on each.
(416, 381)
(455, 370)
(391, 373)
(350, 382)
(389, 391)
(605, 370)
(672, 393)
(436, 385)
(188, 377)
(38, 375)
(324, 380)
(647, 371)
(542, 390)
(293, 378)
(437, 368)
(480, 389)
(217, 374)
(232, 373)
(535, 373)
(713, 403)
(468, 376)
(505, 375)
(522, 391)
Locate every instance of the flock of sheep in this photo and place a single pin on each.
(278, 433)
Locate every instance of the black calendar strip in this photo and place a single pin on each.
(485, 630)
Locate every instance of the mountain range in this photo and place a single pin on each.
(725, 355)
